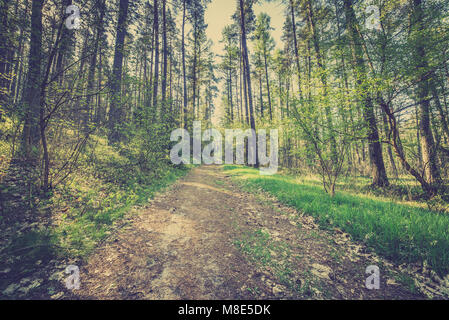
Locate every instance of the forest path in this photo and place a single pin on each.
(204, 238)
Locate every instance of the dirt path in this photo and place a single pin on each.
(206, 239)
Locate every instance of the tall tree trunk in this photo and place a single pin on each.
(389, 150)
(156, 58)
(31, 96)
(5, 46)
(17, 81)
(101, 113)
(237, 99)
(378, 171)
(241, 84)
(295, 42)
(428, 149)
(231, 105)
(248, 74)
(115, 108)
(183, 50)
(194, 67)
(64, 48)
(170, 77)
(436, 98)
(164, 40)
(230, 88)
(101, 10)
(261, 96)
(245, 89)
(150, 83)
(395, 141)
(19, 86)
(268, 83)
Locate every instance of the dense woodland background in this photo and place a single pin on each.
(349, 99)
(355, 105)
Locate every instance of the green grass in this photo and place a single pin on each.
(257, 246)
(86, 208)
(402, 233)
(83, 226)
(263, 251)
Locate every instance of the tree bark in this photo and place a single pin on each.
(295, 42)
(428, 149)
(268, 84)
(248, 74)
(156, 58)
(5, 47)
(101, 10)
(183, 50)
(64, 48)
(164, 40)
(378, 172)
(31, 133)
(115, 108)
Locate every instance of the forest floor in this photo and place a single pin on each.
(205, 238)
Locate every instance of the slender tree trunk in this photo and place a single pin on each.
(183, 50)
(389, 150)
(230, 88)
(165, 54)
(101, 10)
(101, 113)
(378, 171)
(19, 85)
(31, 97)
(156, 58)
(428, 149)
(15, 86)
(171, 78)
(115, 108)
(248, 74)
(150, 71)
(4, 51)
(245, 89)
(295, 42)
(261, 96)
(395, 141)
(64, 48)
(241, 84)
(231, 105)
(436, 98)
(194, 67)
(268, 84)
(237, 99)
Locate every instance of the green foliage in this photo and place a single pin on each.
(399, 232)
(257, 246)
(262, 250)
(113, 181)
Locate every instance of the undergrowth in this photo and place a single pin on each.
(402, 233)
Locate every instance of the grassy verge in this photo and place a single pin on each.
(79, 213)
(109, 187)
(402, 233)
(43, 232)
(275, 256)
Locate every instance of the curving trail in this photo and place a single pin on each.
(204, 238)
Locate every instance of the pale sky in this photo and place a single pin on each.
(219, 12)
(218, 15)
